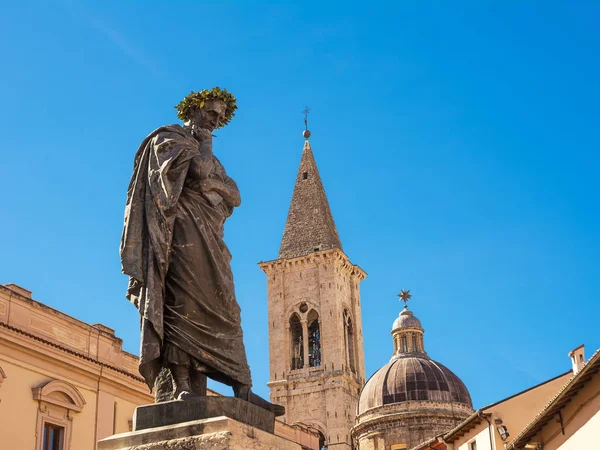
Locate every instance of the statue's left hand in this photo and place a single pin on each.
(212, 187)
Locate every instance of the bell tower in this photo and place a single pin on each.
(315, 327)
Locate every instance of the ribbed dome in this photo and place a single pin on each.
(406, 319)
(408, 378)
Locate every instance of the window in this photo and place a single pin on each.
(404, 346)
(473, 445)
(349, 341)
(53, 437)
(58, 404)
(414, 342)
(305, 175)
(296, 343)
(314, 339)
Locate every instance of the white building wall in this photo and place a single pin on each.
(481, 436)
(585, 437)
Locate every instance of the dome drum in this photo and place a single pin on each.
(410, 423)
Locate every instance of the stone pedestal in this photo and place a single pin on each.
(177, 411)
(205, 423)
(217, 433)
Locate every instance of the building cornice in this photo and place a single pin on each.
(311, 260)
(309, 378)
(71, 352)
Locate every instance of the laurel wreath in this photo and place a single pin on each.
(198, 99)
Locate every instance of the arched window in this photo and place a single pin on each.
(415, 347)
(314, 339)
(349, 338)
(296, 343)
(58, 401)
(404, 346)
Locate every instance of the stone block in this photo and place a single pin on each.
(178, 411)
(217, 433)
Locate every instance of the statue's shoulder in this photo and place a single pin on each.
(168, 136)
(169, 132)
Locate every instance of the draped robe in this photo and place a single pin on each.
(179, 270)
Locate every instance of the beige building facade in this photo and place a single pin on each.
(315, 325)
(65, 384)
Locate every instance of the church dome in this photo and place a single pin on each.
(406, 319)
(412, 398)
(412, 377)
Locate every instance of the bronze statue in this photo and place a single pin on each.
(179, 270)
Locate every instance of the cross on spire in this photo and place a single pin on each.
(405, 297)
(306, 112)
(306, 132)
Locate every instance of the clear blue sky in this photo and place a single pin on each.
(458, 144)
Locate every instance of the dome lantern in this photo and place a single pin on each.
(407, 331)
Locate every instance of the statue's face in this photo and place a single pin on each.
(209, 116)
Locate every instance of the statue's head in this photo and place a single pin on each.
(209, 109)
(208, 116)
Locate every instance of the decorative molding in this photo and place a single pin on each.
(43, 393)
(294, 308)
(312, 260)
(400, 413)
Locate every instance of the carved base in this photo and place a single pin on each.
(179, 411)
(217, 433)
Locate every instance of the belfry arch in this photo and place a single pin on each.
(314, 339)
(296, 343)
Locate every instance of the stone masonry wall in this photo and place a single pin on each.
(323, 397)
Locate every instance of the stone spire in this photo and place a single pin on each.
(310, 226)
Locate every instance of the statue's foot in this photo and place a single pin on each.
(243, 392)
(181, 380)
(186, 395)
